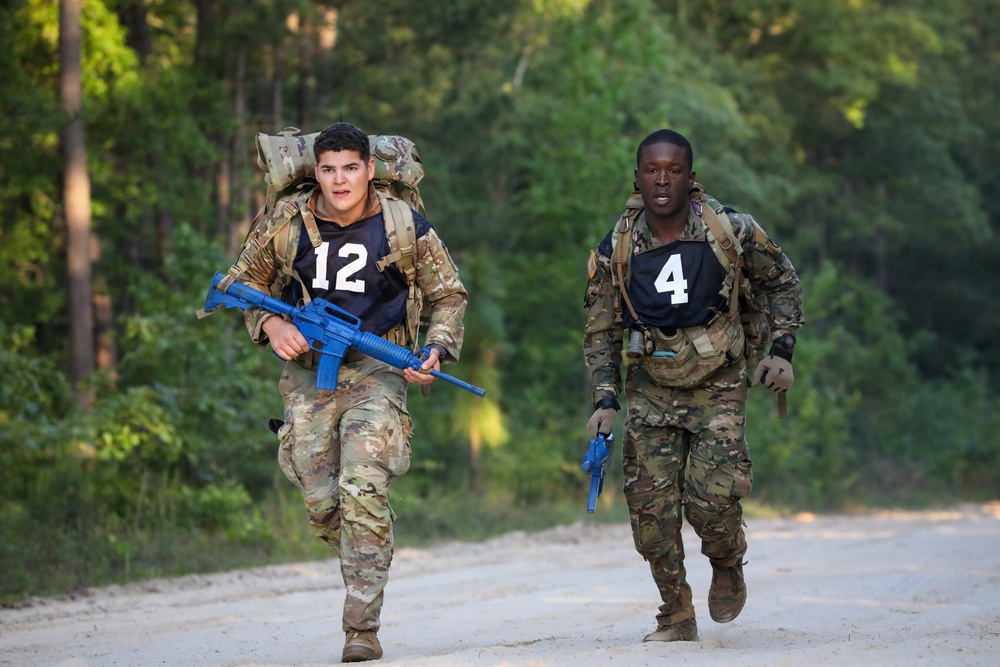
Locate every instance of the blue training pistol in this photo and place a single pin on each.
(597, 462)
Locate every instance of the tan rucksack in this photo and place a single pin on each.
(287, 161)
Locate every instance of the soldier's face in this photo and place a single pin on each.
(343, 179)
(664, 177)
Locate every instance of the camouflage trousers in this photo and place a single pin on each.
(342, 448)
(685, 455)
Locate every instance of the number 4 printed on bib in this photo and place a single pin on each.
(344, 280)
(671, 280)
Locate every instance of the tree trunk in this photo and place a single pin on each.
(278, 91)
(164, 235)
(134, 17)
(107, 350)
(76, 200)
(322, 38)
(307, 76)
(204, 49)
(239, 156)
(881, 243)
(223, 195)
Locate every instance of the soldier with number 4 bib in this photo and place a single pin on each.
(700, 288)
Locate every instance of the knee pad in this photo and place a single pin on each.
(656, 527)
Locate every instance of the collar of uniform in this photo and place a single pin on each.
(694, 230)
(372, 206)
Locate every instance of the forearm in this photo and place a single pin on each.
(260, 275)
(446, 328)
(602, 339)
(438, 279)
(784, 300)
(774, 276)
(602, 356)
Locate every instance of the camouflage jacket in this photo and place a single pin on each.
(767, 267)
(436, 276)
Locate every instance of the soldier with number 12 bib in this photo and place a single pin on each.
(343, 447)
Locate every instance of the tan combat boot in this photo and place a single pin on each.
(361, 645)
(682, 631)
(727, 594)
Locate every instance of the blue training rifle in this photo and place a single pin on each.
(329, 330)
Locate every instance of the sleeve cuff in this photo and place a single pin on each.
(781, 353)
(606, 403)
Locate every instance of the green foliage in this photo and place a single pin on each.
(950, 445)
(863, 425)
(457, 516)
(28, 165)
(34, 397)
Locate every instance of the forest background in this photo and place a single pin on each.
(861, 134)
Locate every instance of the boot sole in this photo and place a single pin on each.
(359, 654)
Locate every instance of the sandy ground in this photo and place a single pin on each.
(881, 589)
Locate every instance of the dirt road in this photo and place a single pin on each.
(884, 589)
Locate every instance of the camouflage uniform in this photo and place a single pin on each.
(684, 448)
(343, 447)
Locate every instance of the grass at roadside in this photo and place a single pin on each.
(39, 558)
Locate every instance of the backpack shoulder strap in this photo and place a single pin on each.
(286, 247)
(282, 230)
(723, 237)
(621, 253)
(726, 247)
(401, 232)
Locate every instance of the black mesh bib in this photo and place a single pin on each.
(676, 285)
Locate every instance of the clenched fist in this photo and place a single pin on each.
(775, 370)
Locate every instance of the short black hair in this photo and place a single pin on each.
(666, 137)
(343, 137)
